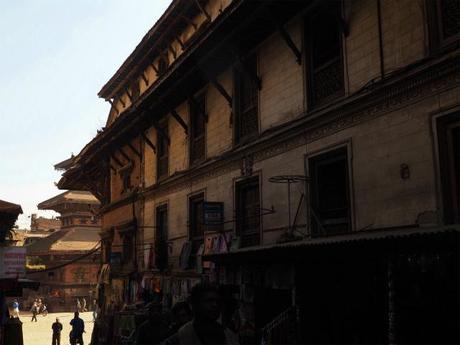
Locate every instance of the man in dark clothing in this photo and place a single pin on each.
(154, 330)
(57, 328)
(181, 314)
(78, 328)
(204, 328)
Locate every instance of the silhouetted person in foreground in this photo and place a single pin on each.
(154, 329)
(57, 328)
(78, 328)
(181, 314)
(204, 328)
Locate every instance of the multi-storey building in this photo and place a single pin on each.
(67, 261)
(301, 153)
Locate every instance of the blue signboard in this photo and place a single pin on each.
(213, 213)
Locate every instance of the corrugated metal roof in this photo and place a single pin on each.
(354, 237)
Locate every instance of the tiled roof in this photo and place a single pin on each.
(8, 207)
(73, 239)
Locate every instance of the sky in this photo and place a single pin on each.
(55, 55)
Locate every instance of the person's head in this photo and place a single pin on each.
(76, 314)
(181, 313)
(206, 302)
(57, 319)
(15, 300)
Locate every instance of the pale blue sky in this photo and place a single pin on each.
(55, 55)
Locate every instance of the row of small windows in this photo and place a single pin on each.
(323, 37)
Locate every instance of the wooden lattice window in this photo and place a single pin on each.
(162, 151)
(246, 99)
(161, 237)
(248, 211)
(196, 226)
(449, 20)
(324, 42)
(330, 195)
(198, 129)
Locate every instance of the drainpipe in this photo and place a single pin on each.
(379, 19)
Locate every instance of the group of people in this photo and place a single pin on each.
(38, 307)
(196, 323)
(76, 334)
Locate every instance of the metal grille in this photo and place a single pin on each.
(450, 12)
(328, 80)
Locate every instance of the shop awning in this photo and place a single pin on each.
(371, 240)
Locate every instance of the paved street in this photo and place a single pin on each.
(39, 333)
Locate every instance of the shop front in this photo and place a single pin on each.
(399, 286)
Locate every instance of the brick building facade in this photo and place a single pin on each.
(352, 104)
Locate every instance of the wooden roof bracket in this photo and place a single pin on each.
(148, 142)
(161, 132)
(197, 106)
(134, 150)
(180, 42)
(130, 96)
(113, 105)
(154, 68)
(179, 120)
(121, 101)
(116, 160)
(287, 38)
(222, 91)
(144, 78)
(113, 169)
(189, 21)
(173, 51)
(203, 10)
(123, 153)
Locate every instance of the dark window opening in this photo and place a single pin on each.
(161, 237)
(449, 18)
(449, 159)
(248, 212)
(324, 36)
(246, 99)
(196, 226)
(128, 251)
(162, 151)
(107, 249)
(198, 129)
(330, 195)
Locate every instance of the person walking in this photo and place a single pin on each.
(78, 328)
(78, 305)
(34, 311)
(16, 308)
(57, 328)
(83, 305)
